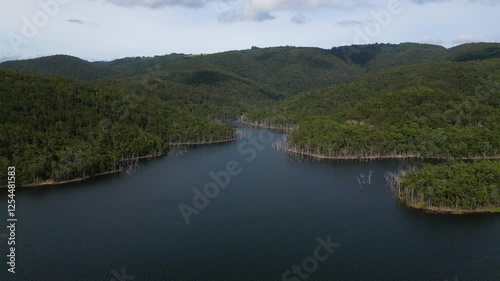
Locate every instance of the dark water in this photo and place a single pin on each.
(265, 221)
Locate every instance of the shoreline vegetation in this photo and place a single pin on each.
(48, 143)
(204, 142)
(449, 188)
(288, 128)
(52, 182)
(288, 147)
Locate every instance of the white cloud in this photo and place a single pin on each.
(248, 10)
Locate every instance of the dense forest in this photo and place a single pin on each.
(359, 101)
(60, 129)
(224, 85)
(445, 109)
(433, 110)
(451, 187)
(417, 122)
(480, 79)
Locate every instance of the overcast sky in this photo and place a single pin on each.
(110, 29)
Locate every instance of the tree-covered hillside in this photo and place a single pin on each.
(60, 65)
(61, 129)
(435, 110)
(415, 122)
(450, 187)
(382, 56)
(379, 100)
(474, 51)
(479, 79)
(223, 85)
(205, 93)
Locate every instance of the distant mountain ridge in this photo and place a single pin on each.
(288, 70)
(225, 85)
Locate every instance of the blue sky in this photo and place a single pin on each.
(110, 29)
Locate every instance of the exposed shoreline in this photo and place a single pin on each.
(51, 182)
(204, 142)
(322, 156)
(379, 157)
(286, 129)
(372, 157)
(452, 211)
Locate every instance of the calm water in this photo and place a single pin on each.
(265, 221)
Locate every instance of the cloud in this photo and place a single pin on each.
(482, 2)
(300, 19)
(264, 10)
(463, 39)
(261, 10)
(249, 10)
(161, 3)
(77, 21)
(344, 23)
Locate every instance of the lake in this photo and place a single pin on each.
(278, 218)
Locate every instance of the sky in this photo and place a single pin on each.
(98, 30)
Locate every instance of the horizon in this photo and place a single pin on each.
(101, 30)
(240, 50)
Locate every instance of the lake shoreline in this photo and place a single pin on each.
(452, 211)
(378, 157)
(366, 158)
(51, 182)
(286, 129)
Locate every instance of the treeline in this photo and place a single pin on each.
(59, 129)
(450, 187)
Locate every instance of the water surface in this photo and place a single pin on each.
(265, 221)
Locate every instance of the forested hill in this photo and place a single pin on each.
(225, 85)
(287, 70)
(433, 110)
(479, 79)
(355, 101)
(60, 65)
(60, 129)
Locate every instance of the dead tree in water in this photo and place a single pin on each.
(130, 166)
(364, 179)
(176, 150)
